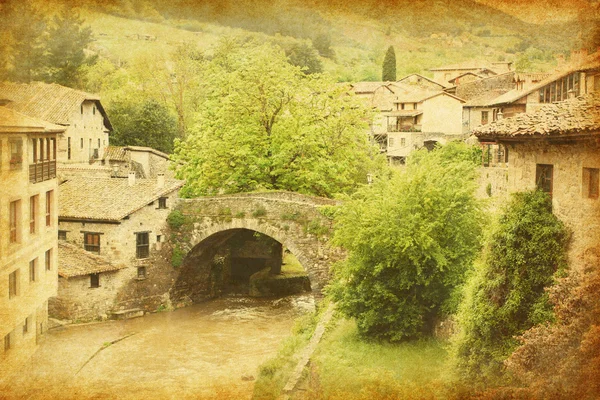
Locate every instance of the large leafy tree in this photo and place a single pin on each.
(147, 123)
(264, 124)
(305, 57)
(22, 29)
(506, 295)
(67, 37)
(388, 70)
(410, 241)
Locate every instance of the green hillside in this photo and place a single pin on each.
(425, 34)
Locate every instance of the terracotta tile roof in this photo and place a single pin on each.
(47, 101)
(367, 87)
(75, 261)
(570, 117)
(13, 121)
(108, 199)
(147, 149)
(442, 85)
(115, 153)
(486, 98)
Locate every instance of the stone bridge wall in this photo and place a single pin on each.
(294, 220)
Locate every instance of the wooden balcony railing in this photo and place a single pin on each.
(42, 171)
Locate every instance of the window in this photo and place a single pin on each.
(82, 109)
(543, 177)
(26, 325)
(391, 142)
(98, 143)
(33, 270)
(94, 280)
(94, 110)
(162, 202)
(62, 235)
(591, 180)
(15, 221)
(402, 142)
(81, 143)
(141, 272)
(142, 245)
(484, 117)
(49, 205)
(33, 205)
(91, 242)
(7, 342)
(68, 148)
(13, 284)
(16, 153)
(48, 260)
(414, 106)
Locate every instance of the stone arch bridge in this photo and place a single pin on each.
(297, 221)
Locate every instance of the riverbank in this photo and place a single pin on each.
(210, 350)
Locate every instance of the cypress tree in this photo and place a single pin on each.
(389, 65)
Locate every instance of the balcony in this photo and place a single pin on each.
(42, 171)
(404, 128)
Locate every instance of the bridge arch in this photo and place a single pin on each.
(291, 219)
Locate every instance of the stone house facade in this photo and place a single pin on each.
(556, 149)
(28, 229)
(506, 96)
(410, 115)
(86, 124)
(145, 161)
(121, 219)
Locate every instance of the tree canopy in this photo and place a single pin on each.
(35, 47)
(506, 294)
(410, 241)
(388, 72)
(147, 123)
(264, 124)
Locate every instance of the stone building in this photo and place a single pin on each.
(86, 124)
(28, 229)
(557, 149)
(511, 94)
(447, 73)
(144, 161)
(410, 115)
(422, 82)
(121, 219)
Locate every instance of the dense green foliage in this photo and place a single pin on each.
(264, 124)
(388, 69)
(505, 296)
(143, 124)
(305, 57)
(410, 241)
(36, 47)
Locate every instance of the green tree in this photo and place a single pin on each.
(305, 57)
(410, 240)
(67, 38)
(263, 124)
(322, 42)
(506, 294)
(21, 41)
(143, 124)
(388, 72)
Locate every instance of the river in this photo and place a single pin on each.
(210, 350)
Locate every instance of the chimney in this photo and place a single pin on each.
(499, 116)
(160, 180)
(571, 94)
(131, 178)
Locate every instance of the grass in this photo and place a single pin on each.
(344, 366)
(348, 367)
(291, 265)
(274, 373)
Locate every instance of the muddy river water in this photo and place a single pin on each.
(208, 351)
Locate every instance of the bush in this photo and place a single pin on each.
(506, 294)
(177, 257)
(259, 212)
(562, 360)
(410, 240)
(175, 219)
